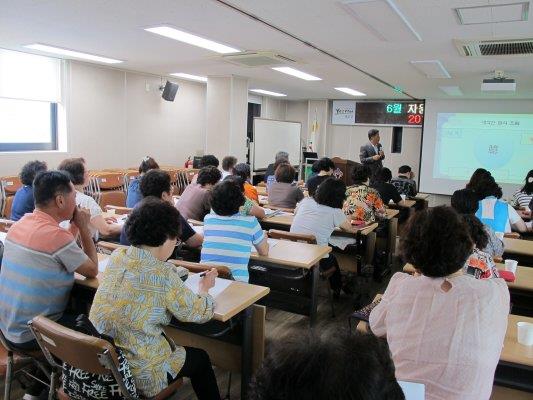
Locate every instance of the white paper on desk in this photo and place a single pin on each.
(270, 213)
(102, 264)
(198, 229)
(121, 219)
(193, 282)
(272, 242)
(3, 236)
(412, 390)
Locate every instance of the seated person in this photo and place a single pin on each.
(336, 366)
(324, 169)
(40, 259)
(479, 264)
(404, 183)
(522, 197)
(444, 329)
(134, 194)
(194, 201)
(139, 294)
(23, 202)
(242, 170)
(249, 207)
(319, 216)
(229, 235)
(228, 163)
(206, 161)
(79, 176)
(284, 192)
(386, 190)
(362, 202)
(156, 183)
(465, 202)
(281, 158)
(493, 211)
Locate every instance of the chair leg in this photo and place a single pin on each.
(330, 294)
(52, 391)
(228, 394)
(9, 376)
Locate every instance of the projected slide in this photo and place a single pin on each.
(500, 143)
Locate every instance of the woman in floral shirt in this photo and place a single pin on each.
(362, 202)
(138, 295)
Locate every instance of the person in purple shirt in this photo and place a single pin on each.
(23, 202)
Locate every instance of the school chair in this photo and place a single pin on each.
(310, 239)
(8, 187)
(119, 210)
(5, 224)
(88, 353)
(129, 175)
(15, 362)
(107, 188)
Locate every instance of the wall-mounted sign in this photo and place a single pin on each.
(394, 113)
(343, 112)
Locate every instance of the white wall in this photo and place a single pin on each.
(273, 108)
(113, 121)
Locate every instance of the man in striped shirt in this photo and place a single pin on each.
(40, 259)
(228, 235)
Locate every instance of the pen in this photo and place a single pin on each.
(203, 274)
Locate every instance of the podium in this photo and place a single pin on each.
(346, 167)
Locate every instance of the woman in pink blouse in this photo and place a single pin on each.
(445, 329)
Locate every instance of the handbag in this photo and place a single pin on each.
(82, 385)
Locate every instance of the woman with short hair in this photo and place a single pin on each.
(140, 293)
(362, 202)
(284, 192)
(134, 192)
(522, 197)
(194, 201)
(23, 202)
(444, 329)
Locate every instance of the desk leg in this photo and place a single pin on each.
(314, 294)
(246, 352)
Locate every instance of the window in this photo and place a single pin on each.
(30, 94)
(27, 125)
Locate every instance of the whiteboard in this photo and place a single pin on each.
(271, 136)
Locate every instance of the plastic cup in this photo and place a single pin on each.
(525, 333)
(403, 196)
(510, 265)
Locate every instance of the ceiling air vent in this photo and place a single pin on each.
(257, 58)
(488, 48)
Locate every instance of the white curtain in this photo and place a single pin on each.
(29, 77)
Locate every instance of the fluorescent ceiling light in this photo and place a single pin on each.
(189, 76)
(296, 73)
(267, 92)
(189, 38)
(71, 53)
(451, 90)
(349, 91)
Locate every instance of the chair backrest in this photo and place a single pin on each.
(223, 271)
(112, 197)
(75, 348)
(10, 184)
(293, 237)
(118, 209)
(512, 235)
(7, 206)
(109, 180)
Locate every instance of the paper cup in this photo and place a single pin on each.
(510, 265)
(403, 196)
(525, 333)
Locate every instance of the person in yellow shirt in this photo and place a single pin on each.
(139, 294)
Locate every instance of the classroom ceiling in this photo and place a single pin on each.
(367, 34)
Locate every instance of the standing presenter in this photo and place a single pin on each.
(371, 153)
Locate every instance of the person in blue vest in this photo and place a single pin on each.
(23, 203)
(493, 211)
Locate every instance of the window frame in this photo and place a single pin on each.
(52, 145)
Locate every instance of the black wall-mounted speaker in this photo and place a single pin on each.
(170, 90)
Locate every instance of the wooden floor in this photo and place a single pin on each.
(280, 324)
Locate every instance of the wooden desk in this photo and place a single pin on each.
(515, 368)
(237, 299)
(421, 196)
(292, 255)
(520, 250)
(402, 204)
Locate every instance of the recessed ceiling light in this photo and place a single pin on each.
(189, 38)
(71, 53)
(296, 73)
(451, 90)
(189, 76)
(268, 92)
(349, 91)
